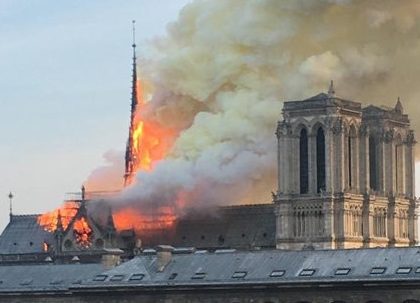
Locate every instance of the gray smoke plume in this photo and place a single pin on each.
(224, 68)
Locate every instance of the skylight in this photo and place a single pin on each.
(199, 276)
(100, 278)
(26, 282)
(307, 272)
(377, 270)
(277, 273)
(342, 271)
(239, 274)
(136, 277)
(403, 270)
(56, 281)
(173, 276)
(117, 278)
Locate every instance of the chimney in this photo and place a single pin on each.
(164, 256)
(111, 258)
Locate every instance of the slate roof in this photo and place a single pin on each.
(266, 267)
(23, 235)
(225, 268)
(242, 227)
(56, 278)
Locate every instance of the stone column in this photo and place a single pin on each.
(329, 160)
(388, 162)
(410, 165)
(391, 221)
(356, 164)
(381, 165)
(367, 217)
(402, 170)
(364, 171)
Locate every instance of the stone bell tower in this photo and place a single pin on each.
(345, 175)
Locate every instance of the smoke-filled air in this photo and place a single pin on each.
(217, 80)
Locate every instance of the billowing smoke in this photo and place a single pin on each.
(224, 68)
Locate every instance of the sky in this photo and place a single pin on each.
(65, 72)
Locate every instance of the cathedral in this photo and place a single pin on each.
(345, 175)
(343, 219)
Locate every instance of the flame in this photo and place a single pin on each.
(151, 140)
(82, 233)
(67, 211)
(129, 218)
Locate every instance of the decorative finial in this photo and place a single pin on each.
(134, 34)
(83, 192)
(59, 222)
(10, 205)
(398, 107)
(331, 90)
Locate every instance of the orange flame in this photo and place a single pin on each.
(82, 232)
(129, 218)
(67, 211)
(151, 140)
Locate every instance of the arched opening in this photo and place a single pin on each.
(303, 161)
(320, 160)
(373, 180)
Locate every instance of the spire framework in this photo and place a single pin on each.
(130, 156)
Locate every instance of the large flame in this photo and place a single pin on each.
(67, 211)
(82, 233)
(142, 222)
(151, 140)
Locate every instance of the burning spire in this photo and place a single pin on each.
(130, 155)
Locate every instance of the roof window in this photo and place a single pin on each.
(26, 282)
(403, 270)
(307, 272)
(56, 281)
(377, 270)
(100, 278)
(239, 274)
(199, 276)
(418, 270)
(117, 278)
(173, 276)
(342, 271)
(277, 273)
(136, 277)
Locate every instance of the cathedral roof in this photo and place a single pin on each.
(23, 235)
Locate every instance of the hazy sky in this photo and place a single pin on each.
(65, 69)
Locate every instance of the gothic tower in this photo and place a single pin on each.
(130, 155)
(345, 175)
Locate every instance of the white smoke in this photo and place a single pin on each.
(224, 68)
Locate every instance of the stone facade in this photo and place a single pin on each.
(345, 175)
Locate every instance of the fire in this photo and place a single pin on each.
(128, 218)
(67, 211)
(82, 233)
(151, 140)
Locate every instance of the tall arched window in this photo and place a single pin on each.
(320, 160)
(303, 161)
(373, 182)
